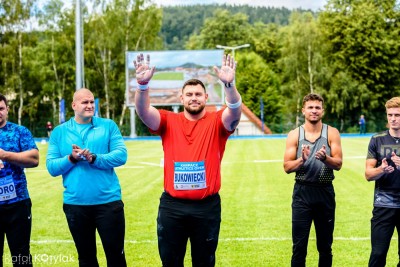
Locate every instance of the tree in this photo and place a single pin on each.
(265, 42)
(300, 60)
(363, 47)
(223, 29)
(52, 58)
(255, 80)
(117, 27)
(181, 22)
(14, 15)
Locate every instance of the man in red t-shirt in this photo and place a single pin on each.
(49, 128)
(194, 144)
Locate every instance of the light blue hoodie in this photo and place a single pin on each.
(84, 183)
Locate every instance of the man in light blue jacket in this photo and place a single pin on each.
(85, 150)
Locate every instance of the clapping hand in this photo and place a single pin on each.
(81, 154)
(305, 152)
(386, 167)
(321, 154)
(396, 160)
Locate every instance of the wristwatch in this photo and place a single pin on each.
(72, 159)
(94, 157)
(228, 85)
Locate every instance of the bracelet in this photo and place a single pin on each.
(143, 83)
(72, 159)
(143, 87)
(234, 105)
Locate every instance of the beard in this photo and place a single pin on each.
(314, 121)
(194, 111)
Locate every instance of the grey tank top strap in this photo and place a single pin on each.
(301, 133)
(324, 132)
(313, 170)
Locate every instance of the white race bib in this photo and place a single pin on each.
(189, 175)
(7, 188)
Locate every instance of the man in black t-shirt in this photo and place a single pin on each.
(383, 167)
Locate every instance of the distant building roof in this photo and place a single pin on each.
(249, 114)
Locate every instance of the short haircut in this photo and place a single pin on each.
(313, 97)
(394, 102)
(3, 98)
(193, 82)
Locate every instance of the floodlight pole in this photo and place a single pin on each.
(79, 71)
(233, 48)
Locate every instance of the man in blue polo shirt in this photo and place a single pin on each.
(85, 150)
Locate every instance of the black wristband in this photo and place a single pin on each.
(72, 159)
(228, 85)
(94, 157)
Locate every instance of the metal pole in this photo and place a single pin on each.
(78, 46)
(133, 126)
(82, 41)
(233, 48)
(262, 114)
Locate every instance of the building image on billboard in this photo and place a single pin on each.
(173, 68)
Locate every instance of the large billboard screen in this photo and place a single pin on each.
(173, 68)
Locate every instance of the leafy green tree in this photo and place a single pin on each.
(255, 80)
(181, 22)
(363, 47)
(52, 61)
(265, 42)
(14, 15)
(223, 29)
(300, 61)
(117, 27)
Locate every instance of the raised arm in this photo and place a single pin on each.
(148, 114)
(231, 115)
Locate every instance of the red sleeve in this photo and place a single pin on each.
(163, 122)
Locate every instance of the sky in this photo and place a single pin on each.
(291, 4)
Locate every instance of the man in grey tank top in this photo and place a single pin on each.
(313, 151)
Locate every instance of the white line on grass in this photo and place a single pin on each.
(35, 170)
(268, 160)
(236, 239)
(158, 165)
(281, 160)
(150, 163)
(121, 167)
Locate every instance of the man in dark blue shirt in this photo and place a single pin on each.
(382, 166)
(361, 122)
(17, 151)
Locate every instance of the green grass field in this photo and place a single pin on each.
(168, 76)
(256, 212)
